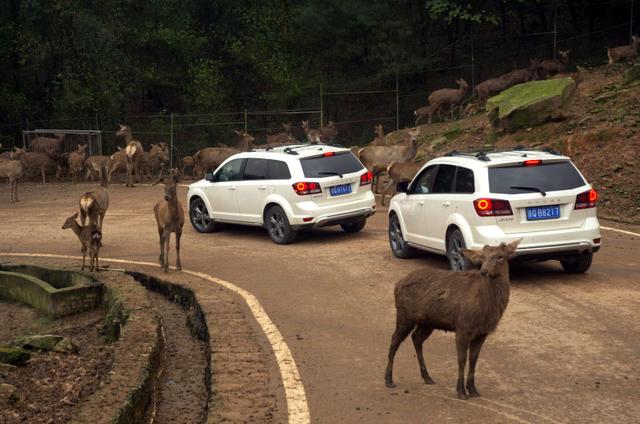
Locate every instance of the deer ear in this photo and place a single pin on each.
(511, 248)
(75, 215)
(475, 257)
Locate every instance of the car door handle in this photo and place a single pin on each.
(420, 203)
(262, 187)
(446, 204)
(231, 188)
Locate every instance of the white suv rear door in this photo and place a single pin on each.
(252, 190)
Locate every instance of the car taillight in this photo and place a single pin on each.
(532, 162)
(366, 178)
(492, 207)
(587, 200)
(303, 188)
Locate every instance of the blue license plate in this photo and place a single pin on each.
(543, 212)
(340, 189)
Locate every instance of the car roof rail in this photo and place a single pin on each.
(481, 155)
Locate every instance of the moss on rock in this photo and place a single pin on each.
(13, 355)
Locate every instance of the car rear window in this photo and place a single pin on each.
(326, 166)
(545, 177)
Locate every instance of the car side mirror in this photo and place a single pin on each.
(402, 187)
(209, 176)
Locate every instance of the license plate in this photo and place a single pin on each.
(543, 212)
(340, 189)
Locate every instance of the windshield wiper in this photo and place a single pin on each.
(330, 173)
(529, 189)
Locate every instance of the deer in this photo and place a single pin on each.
(329, 133)
(490, 87)
(379, 140)
(13, 170)
(621, 53)
(245, 141)
(187, 162)
(117, 161)
(449, 97)
(398, 172)
(95, 164)
(76, 161)
(170, 219)
(37, 162)
(550, 67)
(470, 303)
(518, 76)
(155, 159)
(211, 157)
(378, 158)
(50, 146)
(279, 139)
(94, 204)
(90, 237)
(313, 135)
(133, 151)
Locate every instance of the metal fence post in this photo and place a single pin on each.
(397, 103)
(631, 22)
(321, 105)
(246, 120)
(171, 143)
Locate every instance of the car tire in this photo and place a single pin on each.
(398, 244)
(354, 227)
(455, 245)
(199, 217)
(578, 264)
(277, 225)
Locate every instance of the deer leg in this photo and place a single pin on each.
(474, 352)
(84, 255)
(167, 244)
(178, 262)
(43, 172)
(419, 335)
(403, 328)
(161, 234)
(462, 346)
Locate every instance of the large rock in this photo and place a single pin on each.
(13, 356)
(44, 342)
(532, 103)
(66, 345)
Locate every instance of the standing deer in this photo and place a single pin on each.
(398, 172)
(279, 139)
(94, 204)
(245, 141)
(170, 219)
(95, 164)
(13, 170)
(210, 158)
(329, 133)
(470, 303)
(378, 158)
(445, 97)
(50, 146)
(90, 237)
(629, 52)
(550, 67)
(34, 162)
(76, 161)
(379, 140)
(133, 152)
(187, 162)
(313, 135)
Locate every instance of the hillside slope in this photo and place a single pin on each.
(601, 135)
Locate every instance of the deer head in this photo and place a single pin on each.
(305, 125)
(81, 148)
(17, 153)
(564, 55)
(123, 131)
(287, 127)
(331, 124)
(379, 130)
(493, 259)
(414, 133)
(70, 222)
(463, 84)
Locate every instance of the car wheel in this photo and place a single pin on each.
(200, 219)
(577, 264)
(455, 246)
(277, 224)
(398, 244)
(354, 227)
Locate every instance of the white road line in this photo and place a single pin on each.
(297, 405)
(620, 231)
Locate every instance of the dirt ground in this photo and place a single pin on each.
(567, 349)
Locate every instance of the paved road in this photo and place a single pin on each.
(567, 349)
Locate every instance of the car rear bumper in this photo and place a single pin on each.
(311, 214)
(337, 219)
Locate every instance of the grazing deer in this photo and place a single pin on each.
(76, 161)
(449, 97)
(398, 172)
(629, 52)
(34, 162)
(170, 219)
(133, 151)
(329, 133)
(378, 158)
(13, 170)
(313, 135)
(245, 141)
(94, 204)
(279, 139)
(91, 238)
(95, 164)
(50, 146)
(470, 303)
(550, 67)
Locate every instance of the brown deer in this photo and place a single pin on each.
(35, 162)
(76, 161)
(187, 162)
(50, 146)
(13, 170)
(398, 172)
(628, 53)
(95, 164)
(313, 135)
(379, 140)
(447, 97)
(133, 151)
(211, 157)
(378, 158)
(470, 303)
(90, 237)
(518, 76)
(279, 139)
(94, 204)
(170, 219)
(550, 67)
(245, 141)
(155, 160)
(117, 161)
(329, 133)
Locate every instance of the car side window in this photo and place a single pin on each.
(278, 170)
(231, 171)
(255, 169)
(464, 181)
(444, 179)
(424, 182)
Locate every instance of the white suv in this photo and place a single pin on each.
(470, 200)
(285, 189)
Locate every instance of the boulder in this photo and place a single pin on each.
(530, 104)
(66, 345)
(13, 355)
(44, 342)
